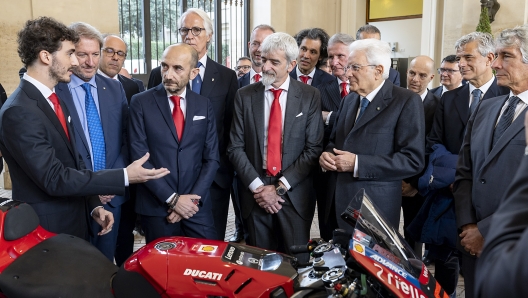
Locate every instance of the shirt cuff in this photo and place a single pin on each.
(255, 184)
(170, 197)
(356, 167)
(126, 177)
(91, 213)
(285, 182)
(327, 122)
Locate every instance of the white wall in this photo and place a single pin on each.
(407, 33)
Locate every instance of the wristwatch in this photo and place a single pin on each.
(281, 190)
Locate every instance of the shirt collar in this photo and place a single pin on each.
(339, 81)
(44, 90)
(204, 61)
(373, 94)
(106, 76)
(423, 95)
(284, 85)
(76, 82)
(484, 88)
(523, 96)
(252, 73)
(299, 73)
(183, 95)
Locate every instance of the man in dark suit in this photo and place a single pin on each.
(38, 142)
(450, 76)
(254, 75)
(274, 167)
(243, 66)
(114, 51)
(313, 45)
(501, 268)
(331, 94)
(154, 77)
(111, 116)
(186, 142)
(493, 145)
(378, 136)
(371, 31)
(219, 84)
(419, 75)
(258, 35)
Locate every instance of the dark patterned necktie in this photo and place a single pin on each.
(506, 119)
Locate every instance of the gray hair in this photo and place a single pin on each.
(341, 38)
(377, 52)
(208, 24)
(370, 29)
(264, 27)
(485, 42)
(87, 31)
(281, 41)
(516, 37)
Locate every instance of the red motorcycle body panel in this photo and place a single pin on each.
(188, 267)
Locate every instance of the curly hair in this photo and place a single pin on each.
(44, 33)
(315, 34)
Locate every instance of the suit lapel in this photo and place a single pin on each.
(292, 109)
(317, 77)
(352, 108)
(257, 105)
(64, 95)
(160, 95)
(208, 82)
(376, 106)
(293, 73)
(189, 114)
(335, 92)
(462, 103)
(104, 111)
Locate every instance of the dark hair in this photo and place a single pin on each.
(243, 58)
(41, 34)
(315, 34)
(449, 59)
(264, 27)
(371, 29)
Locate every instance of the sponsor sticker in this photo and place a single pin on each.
(208, 248)
(359, 248)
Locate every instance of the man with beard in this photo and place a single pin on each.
(178, 127)
(38, 143)
(276, 137)
(243, 66)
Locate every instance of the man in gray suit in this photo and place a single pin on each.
(378, 137)
(276, 138)
(493, 147)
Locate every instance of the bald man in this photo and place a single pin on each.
(419, 75)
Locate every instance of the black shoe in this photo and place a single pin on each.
(237, 237)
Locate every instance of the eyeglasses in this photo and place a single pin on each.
(244, 67)
(194, 30)
(449, 71)
(111, 52)
(355, 67)
(412, 74)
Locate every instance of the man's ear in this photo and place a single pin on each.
(194, 72)
(45, 57)
(292, 65)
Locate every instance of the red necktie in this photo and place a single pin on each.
(305, 79)
(275, 135)
(344, 89)
(58, 111)
(177, 116)
(257, 77)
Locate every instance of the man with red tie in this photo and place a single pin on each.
(258, 35)
(276, 136)
(178, 127)
(312, 45)
(38, 142)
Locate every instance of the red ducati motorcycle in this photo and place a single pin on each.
(371, 261)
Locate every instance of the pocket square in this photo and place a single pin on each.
(198, 118)
(69, 119)
(300, 114)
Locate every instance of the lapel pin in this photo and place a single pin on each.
(212, 80)
(378, 108)
(104, 88)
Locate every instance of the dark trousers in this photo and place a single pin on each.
(198, 226)
(326, 226)
(220, 206)
(235, 198)
(125, 236)
(469, 264)
(410, 207)
(447, 271)
(278, 231)
(107, 243)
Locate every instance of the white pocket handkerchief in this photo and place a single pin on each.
(198, 118)
(69, 119)
(300, 114)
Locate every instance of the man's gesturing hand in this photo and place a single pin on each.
(138, 174)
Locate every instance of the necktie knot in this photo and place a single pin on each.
(175, 100)
(276, 93)
(364, 102)
(305, 79)
(257, 77)
(513, 101)
(87, 88)
(199, 64)
(344, 89)
(54, 99)
(362, 107)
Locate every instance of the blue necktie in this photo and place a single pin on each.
(506, 119)
(95, 129)
(476, 99)
(197, 82)
(362, 107)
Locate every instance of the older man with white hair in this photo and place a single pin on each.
(378, 135)
(276, 138)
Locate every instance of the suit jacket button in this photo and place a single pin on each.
(180, 150)
(483, 181)
(88, 156)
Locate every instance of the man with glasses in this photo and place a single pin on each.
(243, 66)
(99, 112)
(258, 35)
(450, 76)
(378, 136)
(219, 84)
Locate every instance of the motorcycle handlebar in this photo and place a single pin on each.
(298, 249)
